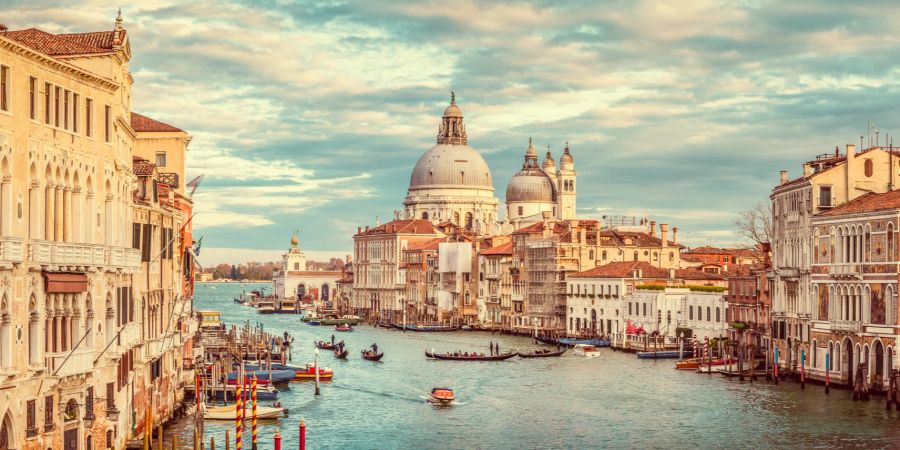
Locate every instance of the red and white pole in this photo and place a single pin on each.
(302, 434)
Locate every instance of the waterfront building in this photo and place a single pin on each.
(495, 283)
(854, 288)
(344, 287)
(828, 181)
(538, 189)
(749, 305)
(80, 327)
(422, 280)
(451, 181)
(457, 290)
(295, 281)
(379, 284)
(603, 300)
(617, 243)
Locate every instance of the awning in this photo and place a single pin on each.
(66, 283)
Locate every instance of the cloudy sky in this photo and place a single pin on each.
(312, 114)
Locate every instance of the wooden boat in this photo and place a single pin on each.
(694, 363)
(343, 328)
(473, 357)
(588, 351)
(372, 356)
(263, 376)
(339, 321)
(325, 345)
(314, 323)
(309, 373)
(596, 342)
(441, 396)
(542, 354)
(227, 412)
(341, 354)
(425, 328)
(664, 354)
(264, 392)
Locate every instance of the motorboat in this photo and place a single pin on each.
(308, 372)
(277, 376)
(372, 356)
(665, 354)
(588, 351)
(425, 328)
(228, 412)
(314, 323)
(441, 396)
(349, 320)
(542, 353)
(265, 306)
(596, 342)
(345, 327)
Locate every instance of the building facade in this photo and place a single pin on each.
(296, 282)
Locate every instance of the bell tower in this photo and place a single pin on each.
(565, 183)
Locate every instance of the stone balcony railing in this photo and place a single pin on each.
(852, 326)
(12, 249)
(846, 269)
(80, 362)
(79, 254)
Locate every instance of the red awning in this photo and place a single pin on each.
(66, 283)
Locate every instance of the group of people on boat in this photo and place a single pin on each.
(466, 354)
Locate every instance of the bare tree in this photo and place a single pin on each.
(755, 224)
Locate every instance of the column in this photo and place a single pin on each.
(34, 204)
(90, 218)
(77, 211)
(57, 215)
(8, 208)
(49, 201)
(67, 214)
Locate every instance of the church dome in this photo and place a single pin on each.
(448, 165)
(530, 185)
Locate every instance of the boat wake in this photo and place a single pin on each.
(427, 399)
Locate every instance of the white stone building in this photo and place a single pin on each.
(295, 281)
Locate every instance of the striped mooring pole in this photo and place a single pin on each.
(253, 398)
(827, 370)
(238, 396)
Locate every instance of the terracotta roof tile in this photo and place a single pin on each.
(64, 44)
(430, 244)
(142, 167)
(625, 269)
(406, 226)
(502, 249)
(145, 124)
(867, 203)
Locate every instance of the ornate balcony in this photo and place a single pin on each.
(12, 250)
(80, 362)
(78, 254)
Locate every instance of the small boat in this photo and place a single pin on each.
(227, 412)
(339, 321)
(588, 351)
(665, 354)
(471, 357)
(466, 328)
(265, 306)
(694, 363)
(441, 396)
(596, 342)
(324, 345)
(277, 376)
(372, 356)
(343, 328)
(314, 323)
(542, 354)
(425, 328)
(263, 392)
(309, 372)
(341, 354)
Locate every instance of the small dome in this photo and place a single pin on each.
(453, 110)
(549, 164)
(451, 165)
(530, 185)
(294, 240)
(565, 161)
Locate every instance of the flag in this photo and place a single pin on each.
(193, 184)
(196, 250)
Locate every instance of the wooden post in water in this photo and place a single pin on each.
(827, 370)
(238, 398)
(253, 399)
(212, 442)
(159, 440)
(802, 369)
(227, 440)
(775, 364)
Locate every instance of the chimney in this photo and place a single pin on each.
(653, 228)
(3, 28)
(664, 234)
(671, 274)
(358, 230)
(349, 259)
(851, 152)
(675, 234)
(807, 170)
(582, 235)
(367, 228)
(784, 176)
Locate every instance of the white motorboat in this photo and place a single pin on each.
(227, 412)
(588, 351)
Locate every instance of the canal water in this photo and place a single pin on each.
(568, 402)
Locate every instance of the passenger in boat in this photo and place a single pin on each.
(375, 349)
(332, 339)
(497, 348)
(491, 346)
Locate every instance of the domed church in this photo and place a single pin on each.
(452, 182)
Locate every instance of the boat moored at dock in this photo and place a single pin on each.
(588, 351)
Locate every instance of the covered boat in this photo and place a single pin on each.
(441, 396)
(425, 328)
(308, 372)
(339, 321)
(227, 412)
(665, 354)
(542, 354)
(277, 376)
(471, 356)
(372, 356)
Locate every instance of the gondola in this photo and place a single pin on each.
(371, 356)
(546, 340)
(541, 354)
(450, 357)
(325, 345)
(341, 354)
(345, 327)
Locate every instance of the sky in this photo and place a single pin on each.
(311, 115)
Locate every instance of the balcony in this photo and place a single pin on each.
(80, 362)
(130, 336)
(850, 326)
(846, 269)
(76, 254)
(12, 249)
(170, 178)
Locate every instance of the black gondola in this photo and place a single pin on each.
(471, 357)
(325, 345)
(541, 354)
(371, 356)
(341, 354)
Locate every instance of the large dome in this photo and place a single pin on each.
(450, 165)
(530, 185)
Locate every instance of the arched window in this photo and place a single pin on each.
(830, 354)
(469, 220)
(603, 255)
(468, 300)
(718, 315)
(5, 333)
(869, 167)
(456, 218)
(708, 315)
(635, 256)
(425, 215)
(891, 242)
(812, 361)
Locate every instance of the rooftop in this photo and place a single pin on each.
(626, 269)
(405, 226)
(142, 123)
(98, 42)
(870, 202)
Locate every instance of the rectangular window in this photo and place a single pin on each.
(66, 109)
(89, 117)
(110, 395)
(4, 88)
(47, 103)
(57, 94)
(89, 402)
(48, 413)
(107, 123)
(825, 196)
(145, 244)
(160, 159)
(74, 112)
(32, 98)
(30, 419)
(136, 235)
